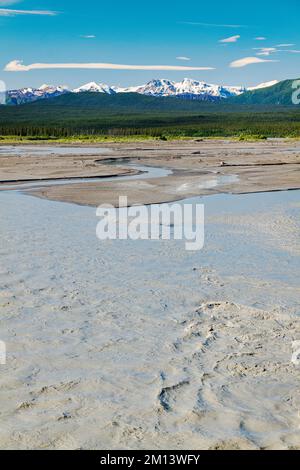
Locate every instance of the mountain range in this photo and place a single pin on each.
(186, 89)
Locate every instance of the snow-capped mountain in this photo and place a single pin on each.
(161, 87)
(27, 95)
(187, 89)
(190, 89)
(95, 88)
(263, 85)
(129, 89)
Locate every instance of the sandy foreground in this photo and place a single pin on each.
(141, 344)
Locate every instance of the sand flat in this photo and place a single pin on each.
(143, 345)
(197, 169)
(21, 163)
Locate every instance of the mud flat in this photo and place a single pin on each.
(141, 344)
(19, 163)
(197, 168)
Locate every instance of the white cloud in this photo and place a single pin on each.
(9, 12)
(213, 25)
(182, 57)
(88, 36)
(285, 45)
(248, 61)
(260, 38)
(231, 39)
(17, 66)
(265, 50)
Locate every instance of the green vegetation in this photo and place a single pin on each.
(97, 117)
(279, 94)
(89, 139)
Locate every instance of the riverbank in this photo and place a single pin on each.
(110, 139)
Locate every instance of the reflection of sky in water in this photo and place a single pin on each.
(147, 172)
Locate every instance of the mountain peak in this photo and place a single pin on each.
(51, 88)
(95, 88)
(44, 87)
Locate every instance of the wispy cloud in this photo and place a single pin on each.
(230, 39)
(9, 12)
(265, 50)
(182, 57)
(248, 61)
(212, 25)
(17, 66)
(260, 38)
(285, 45)
(88, 36)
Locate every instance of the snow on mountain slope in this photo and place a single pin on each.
(161, 87)
(52, 89)
(187, 88)
(28, 95)
(202, 89)
(95, 88)
(129, 89)
(263, 85)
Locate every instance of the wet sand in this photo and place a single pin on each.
(198, 168)
(21, 163)
(143, 345)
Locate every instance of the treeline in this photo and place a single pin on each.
(44, 121)
(225, 129)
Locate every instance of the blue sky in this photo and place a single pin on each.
(177, 33)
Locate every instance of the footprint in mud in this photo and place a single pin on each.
(199, 335)
(52, 389)
(222, 352)
(167, 396)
